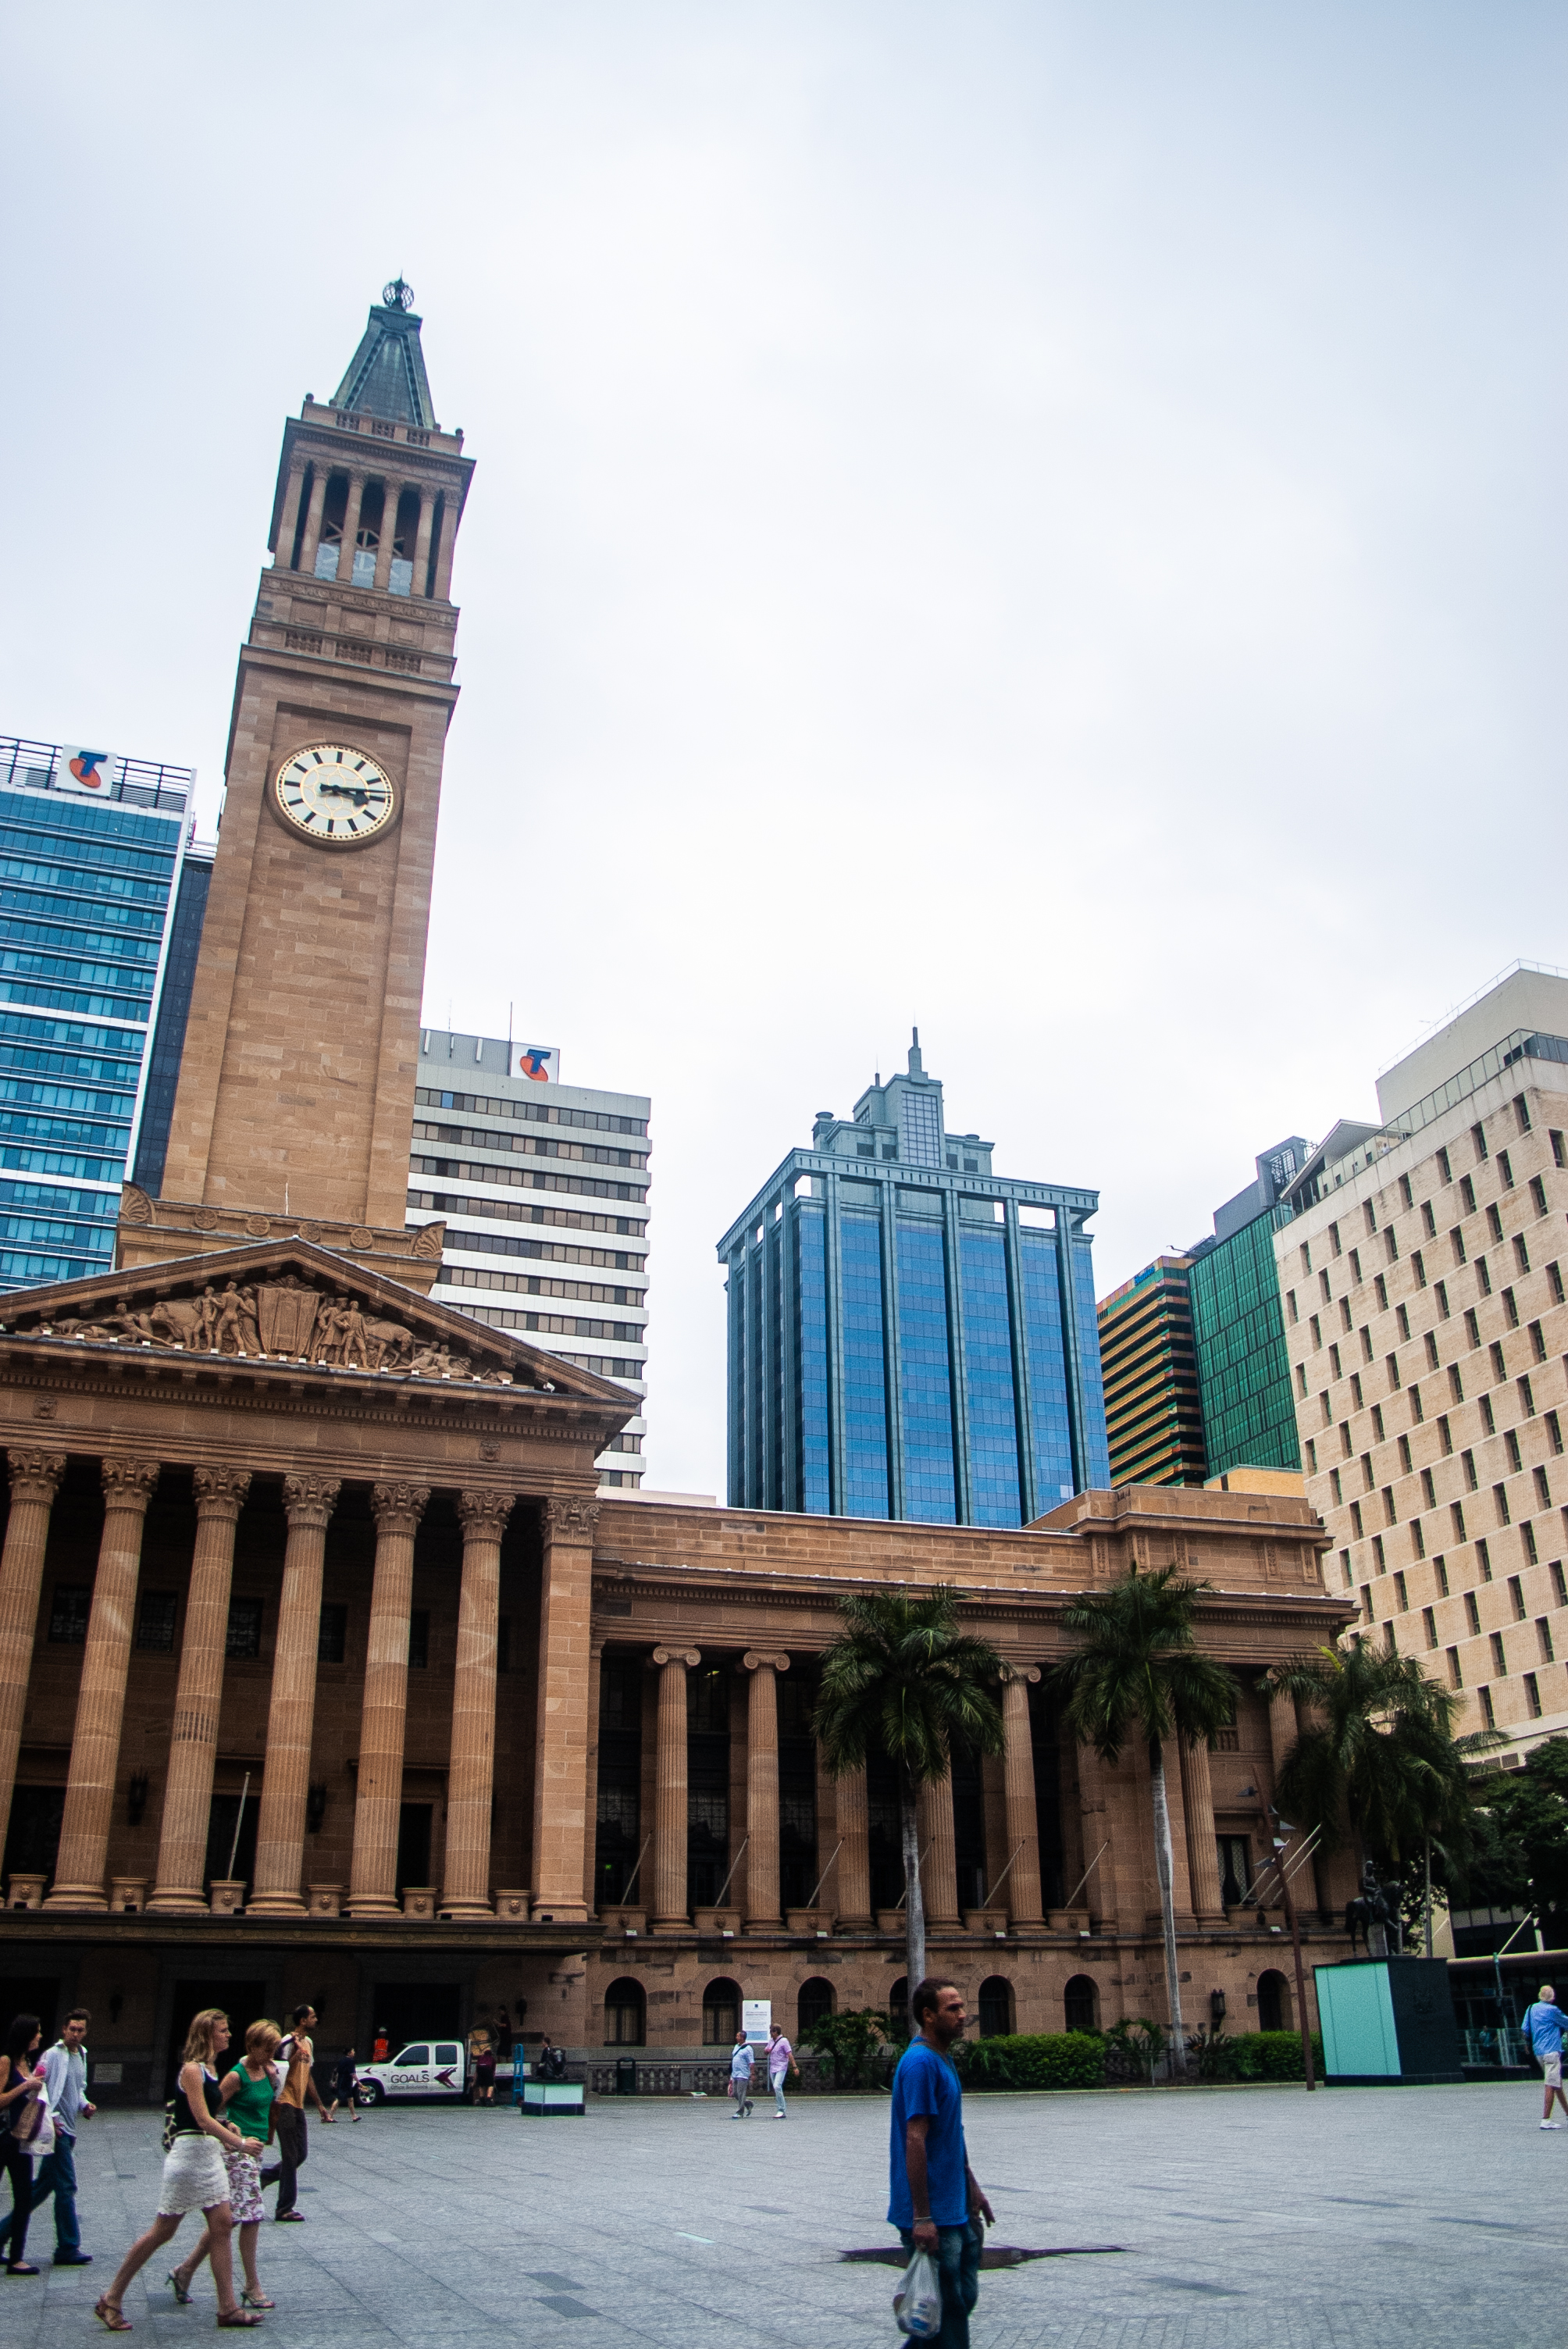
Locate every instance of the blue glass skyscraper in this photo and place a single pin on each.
(910, 1335)
(91, 850)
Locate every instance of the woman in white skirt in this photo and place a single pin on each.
(194, 2178)
(247, 2092)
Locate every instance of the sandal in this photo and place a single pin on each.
(114, 2318)
(256, 2300)
(236, 2319)
(181, 2290)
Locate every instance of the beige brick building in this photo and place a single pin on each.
(1424, 1317)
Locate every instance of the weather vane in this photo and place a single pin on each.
(398, 295)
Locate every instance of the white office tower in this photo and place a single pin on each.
(543, 1190)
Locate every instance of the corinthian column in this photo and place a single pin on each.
(560, 1746)
(383, 1720)
(308, 1502)
(35, 1480)
(127, 1487)
(471, 1775)
(193, 1747)
(762, 1914)
(1202, 1847)
(670, 1911)
(853, 1905)
(1023, 1860)
(939, 1871)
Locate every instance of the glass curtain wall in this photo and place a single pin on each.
(1244, 1370)
(812, 1361)
(994, 1488)
(930, 1496)
(865, 1377)
(1052, 1431)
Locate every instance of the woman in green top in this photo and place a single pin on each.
(247, 2092)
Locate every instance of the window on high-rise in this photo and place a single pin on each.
(920, 1128)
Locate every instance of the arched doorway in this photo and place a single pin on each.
(626, 2014)
(897, 2006)
(816, 2000)
(721, 2013)
(1080, 2003)
(995, 2007)
(1273, 2003)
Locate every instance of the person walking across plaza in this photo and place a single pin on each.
(740, 2069)
(346, 2085)
(194, 2178)
(65, 2074)
(934, 2201)
(297, 2055)
(248, 2094)
(1542, 2027)
(780, 2065)
(18, 2082)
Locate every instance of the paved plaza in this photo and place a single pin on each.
(1249, 2217)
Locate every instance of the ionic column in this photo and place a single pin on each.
(422, 540)
(383, 1720)
(35, 1480)
(939, 1870)
(670, 1911)
(853, 1904)
(444, 554)
(308, 1503)
(762, 1911)
(391, 491)
(193, 1747)
(1023, 1858)
(290, 518)
(560, 1741)
(1202, 1847)
(470, 1778)
(312, 538)
(127, 1487)
(351, 529)
(1099, 1892)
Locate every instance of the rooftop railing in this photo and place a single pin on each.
(136, 782)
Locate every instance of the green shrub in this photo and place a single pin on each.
(1251, 2055)
(851, 2044)
(1058, 2059)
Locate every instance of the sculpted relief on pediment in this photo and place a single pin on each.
(286, 1320)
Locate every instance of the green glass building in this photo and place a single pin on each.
(1238, 1323)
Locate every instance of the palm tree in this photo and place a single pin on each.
(1378, 1757)
(1138, 1672)
(903, 1677)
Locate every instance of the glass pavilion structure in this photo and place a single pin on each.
(911, 1336)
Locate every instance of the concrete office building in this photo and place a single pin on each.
(1153, 1413)
(92, 852)
(1427, 1331)
(910, 1335)
(567, 1264)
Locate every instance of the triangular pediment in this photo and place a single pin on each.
(286, 1300)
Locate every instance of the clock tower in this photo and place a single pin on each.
(296, 1087)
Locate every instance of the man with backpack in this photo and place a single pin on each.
(1542, 2027)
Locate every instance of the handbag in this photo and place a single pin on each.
(27, 2113)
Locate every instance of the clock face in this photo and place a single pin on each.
(335, 794)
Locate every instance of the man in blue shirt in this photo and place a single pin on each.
(934, 2201)
(740, 2064)
(1543, 2026)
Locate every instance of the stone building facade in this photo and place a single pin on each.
(326, 1672)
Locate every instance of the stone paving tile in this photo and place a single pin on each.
(1252, 2219)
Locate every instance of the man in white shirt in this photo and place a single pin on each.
(740, 2068)
(65, 2070)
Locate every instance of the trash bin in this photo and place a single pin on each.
(626, 2076)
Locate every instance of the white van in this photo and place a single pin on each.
(426, 2068)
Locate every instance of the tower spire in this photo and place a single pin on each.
(386, 376)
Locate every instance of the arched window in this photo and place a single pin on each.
(626, 2014)
(996, 2006)
(815, 2001)
(897, 2003)
(1273, 2003)
(1081, 2001)
(721, 2013)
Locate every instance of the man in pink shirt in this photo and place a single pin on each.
(780, 2056)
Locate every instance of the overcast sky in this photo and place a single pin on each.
(1043, 521)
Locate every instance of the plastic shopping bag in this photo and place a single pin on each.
(917, 2303)
(43, 2138)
